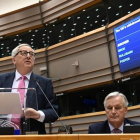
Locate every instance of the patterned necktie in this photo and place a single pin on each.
(21, 89)
(116, 130)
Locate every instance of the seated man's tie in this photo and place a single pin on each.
(116, 130)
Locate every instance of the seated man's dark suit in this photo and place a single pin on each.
(6, 81)
(103, 127)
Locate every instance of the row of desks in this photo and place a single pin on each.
(73, 137)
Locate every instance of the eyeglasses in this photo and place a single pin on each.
(25, 53)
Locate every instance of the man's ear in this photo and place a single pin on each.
(13, 60)
(126, 110)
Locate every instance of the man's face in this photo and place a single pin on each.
(24, 64)
(115, 111)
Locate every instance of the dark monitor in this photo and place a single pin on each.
(131, 129)
(6, 130)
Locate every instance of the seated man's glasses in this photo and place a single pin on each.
(25, 53)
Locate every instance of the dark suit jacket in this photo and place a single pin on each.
(103, 127)
(6, 81)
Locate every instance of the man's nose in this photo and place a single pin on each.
(28, 55)
(113, 110)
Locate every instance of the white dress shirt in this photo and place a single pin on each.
(111, 128)
(15, 85)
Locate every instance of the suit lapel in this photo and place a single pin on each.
(107, 128)
(31, 94)
(9, 81)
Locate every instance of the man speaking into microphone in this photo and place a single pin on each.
(23, 57)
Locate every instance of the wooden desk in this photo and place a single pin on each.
(73, 137)
(109, 136)
(40, 137)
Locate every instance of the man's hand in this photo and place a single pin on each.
(31, 113)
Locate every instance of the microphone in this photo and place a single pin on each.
(50, 104)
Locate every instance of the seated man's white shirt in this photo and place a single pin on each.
(112, 128)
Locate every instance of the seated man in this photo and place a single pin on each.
(62, 130)
(115, 105)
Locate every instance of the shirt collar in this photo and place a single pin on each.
(18, 75)
(111, 127)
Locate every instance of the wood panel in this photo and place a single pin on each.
(109, 137)
(30, 18)
(74, 137)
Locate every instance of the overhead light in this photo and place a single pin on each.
(88, 16)
(33, 35)
(2, 44)
(36, 30)
(129, 12)
(96, 21)
(64, 24)
(103, 20)
(60, 36)
(96, 9)
(85, 23)
(131, 4)
(50, 31)
(117, 14)
(53, 21)
(61, 31)
(69, 17)
(84, 28)
(72, 29)
(98, 15)
(120, 6)
(84, 10)
(74, 24)
(78, 17)
(109, 7)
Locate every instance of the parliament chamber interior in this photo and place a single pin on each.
(76, 48)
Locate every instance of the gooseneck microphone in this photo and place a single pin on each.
(50, 105)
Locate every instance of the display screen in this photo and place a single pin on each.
(127, 37)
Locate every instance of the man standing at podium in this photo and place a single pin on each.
(115, 105)
(23, 57)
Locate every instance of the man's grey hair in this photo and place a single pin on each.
(115, 94)
(15, 50)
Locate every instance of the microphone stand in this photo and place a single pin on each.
(50, 104)
(24, 120)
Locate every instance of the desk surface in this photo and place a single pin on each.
(73, 137)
